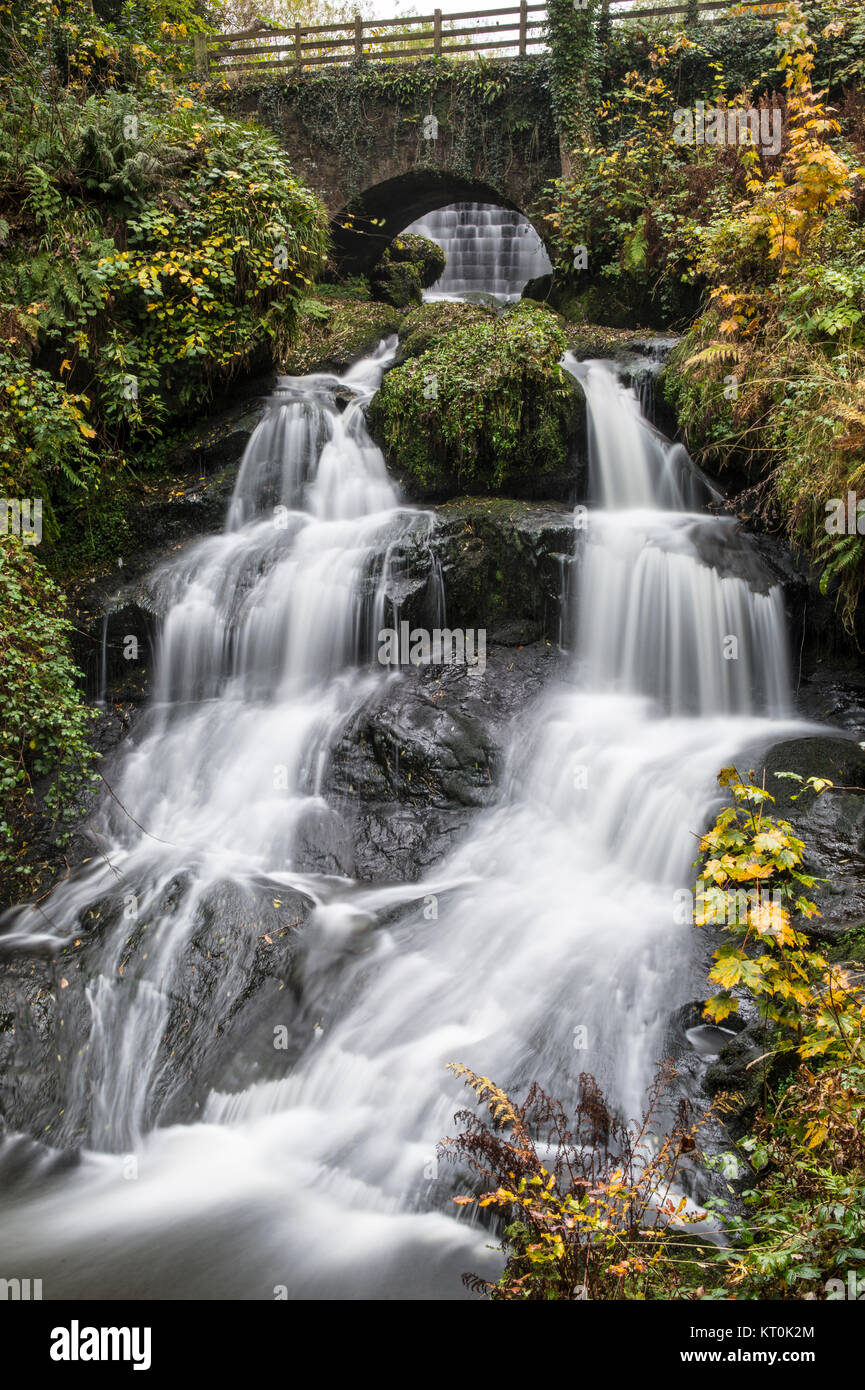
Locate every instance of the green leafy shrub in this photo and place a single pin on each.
(43, 720)
(150, 251)
(804, 1199)
(635, 201)
(153, 251)
(770, 380)
(753, 882)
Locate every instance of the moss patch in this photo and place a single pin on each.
(597, 340)
(849, 947)
(484, 405)
(501, 559)
(430, 324)
(409, 265)
(337, 332)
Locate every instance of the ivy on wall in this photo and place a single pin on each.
(486, 112)
(575, 70)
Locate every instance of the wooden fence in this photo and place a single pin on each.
(420, 36)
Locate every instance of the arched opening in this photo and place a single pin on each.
(365, 226)
(490, 250)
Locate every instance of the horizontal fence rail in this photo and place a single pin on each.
(441, 36)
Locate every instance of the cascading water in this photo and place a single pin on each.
(555, 948)
(490, 250)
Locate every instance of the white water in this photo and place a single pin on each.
(490, 250)
(555, 916)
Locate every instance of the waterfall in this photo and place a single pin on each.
(490, 250)
(555, 947)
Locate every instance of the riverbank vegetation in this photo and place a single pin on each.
(43, 723)
(757, 251)
(592, 1206)
(151, 252)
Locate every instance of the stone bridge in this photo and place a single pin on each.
(385, 142)
(383, 149)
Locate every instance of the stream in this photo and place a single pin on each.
(543, 945)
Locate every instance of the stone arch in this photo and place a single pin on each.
(362, 229)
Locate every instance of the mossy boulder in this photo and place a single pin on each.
(560, 292)
(621, 299)
(539, 289)
(409, 265)
(485, 408)
(599, 340)
(430, 324)
(336, 332)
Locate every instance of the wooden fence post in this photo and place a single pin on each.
(437, 33)
(358, 37)
(297, 45)
(524, 26)
(199, 54)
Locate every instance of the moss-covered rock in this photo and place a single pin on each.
(539, 289)
(409, 265)
(849, 949)
(337, 332)
(424, 252)
(557, 292)
(598, 340)
(486, 407)
(398, 284)
(620, 301)
(429, 324)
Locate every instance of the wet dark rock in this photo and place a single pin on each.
(191, 504)
(230, 987)
(708, 1040)
(730, 1061)
(28, 1054)
(832, 825)
(539, 288)
(505, 564)
(428, 752)
(745, 1069)
(237, 987)
(721, 544)
(833, 693)
(815, 630)
(394, 843)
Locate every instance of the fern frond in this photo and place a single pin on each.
(498, 1102)
(715, 353)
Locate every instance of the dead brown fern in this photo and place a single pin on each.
(588, 1201)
